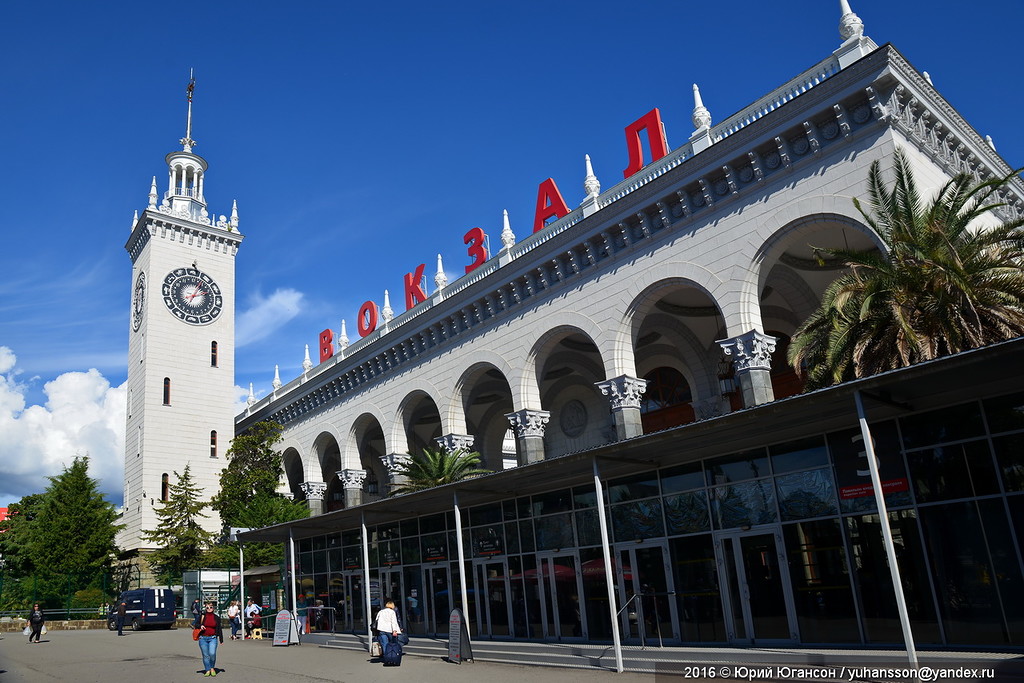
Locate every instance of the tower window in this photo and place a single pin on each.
(213, 444)
(165, 488)
(213, 354)
(167, 391)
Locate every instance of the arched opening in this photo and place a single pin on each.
(165, 488)
(667, 401)
(213, 444)
(167, 391)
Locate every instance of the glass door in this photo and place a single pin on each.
(559, 583)
(759, 599)
(352, 612)
(391, 589)
(493, 605)
(436, 600)
(646, 593)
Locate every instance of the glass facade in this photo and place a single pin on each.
(780, 543)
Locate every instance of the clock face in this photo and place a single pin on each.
(138, 301)
(192, 296)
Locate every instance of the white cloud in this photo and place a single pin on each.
(83, 415)
(266, 314)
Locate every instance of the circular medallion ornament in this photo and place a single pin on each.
(573, 418)
(192, 296)
(800, 145)
(138, 301)
(772, 160)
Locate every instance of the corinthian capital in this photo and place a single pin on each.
(529, 422)
(352, 479)
(456, 442)
(395, 462)
(750, 351)
(314, 490)
(623, 391)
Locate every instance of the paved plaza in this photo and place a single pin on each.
(169, 656)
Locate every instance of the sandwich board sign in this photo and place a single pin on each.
(459, 649)
(285, 630)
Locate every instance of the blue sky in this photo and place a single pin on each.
(360, 140)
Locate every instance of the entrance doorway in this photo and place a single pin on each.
(436, 600)
(646, 592)
(351, 616)
(494, 598)
(759, 598)
(557, 583)
(391, 589)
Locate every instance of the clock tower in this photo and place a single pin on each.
(181, 350)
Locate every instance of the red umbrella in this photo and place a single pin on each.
(595, 568)
(561, 571)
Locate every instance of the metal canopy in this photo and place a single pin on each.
(963, 377)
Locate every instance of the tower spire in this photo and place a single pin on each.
(187, 143)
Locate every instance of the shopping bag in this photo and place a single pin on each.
(375, 648)
(27, 631)
(42, 631)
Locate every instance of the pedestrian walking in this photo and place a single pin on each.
(210, 634)
(197, 611)
(235, 617)
(122, 612)
(36, 621)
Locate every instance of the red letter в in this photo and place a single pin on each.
(549, 204)
(655, 136)
(326, 344)
(414, 287)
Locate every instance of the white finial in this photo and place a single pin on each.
(850, 25)
(508, 238)
(387, 314)
(307, 364)
(928, 77)
(701, 116)
(343, 337)
(135, 219)
(252, 397)
(152, 194)
(234, 213)
(440, 279)
(988, 139)
(187, 143)
(590, 184)
(277, 379)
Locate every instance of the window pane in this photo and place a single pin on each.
(821, 581)
(687, 513)
(587, 527)
(806, 494)
(640, 519)
(739, 467)
(1010, 455)
(554, 532)
(938, 426)
(1006, 413)
(743, 504)
(798, 455)
(632, 488)
(698, 599)
(960, 471)
(682, 478)
(555, 501)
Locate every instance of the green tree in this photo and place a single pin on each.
(179, 531)
(437, 467)
(944, 285)
(254, 470)
(75, 528)
(263, 511)
(16, 535)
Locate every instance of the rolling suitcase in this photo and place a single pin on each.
(392, 653)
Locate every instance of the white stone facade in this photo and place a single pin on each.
(658, 273)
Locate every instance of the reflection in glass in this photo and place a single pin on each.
(697, 594)
(1010, 455)
(739, 467)
(640, 519)
(687, 513)
(806, 494)
(554, 532)
(1005, 413)
(821, 581)
(743, 504)
(959, 471)
(798, 455)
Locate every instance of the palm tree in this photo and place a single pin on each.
(437, 467)
(946, 284)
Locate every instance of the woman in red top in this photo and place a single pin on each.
(209, 635)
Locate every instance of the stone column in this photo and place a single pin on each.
(529, 428)
(624, 393)
(352, 486)
(454, 442)
(395, 463)
(752, 358)
(315, 491)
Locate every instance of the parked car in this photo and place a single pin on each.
(146, 607)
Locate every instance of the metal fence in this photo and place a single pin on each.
(64, 595)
